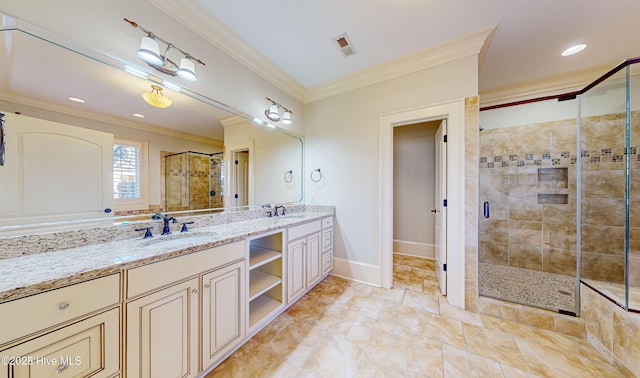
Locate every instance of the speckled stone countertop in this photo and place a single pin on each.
(32, 274)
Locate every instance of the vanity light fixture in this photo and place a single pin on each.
(156, 99)
(149, 51)
(574, 49)
(273, 112)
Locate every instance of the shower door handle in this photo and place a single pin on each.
(486, 209)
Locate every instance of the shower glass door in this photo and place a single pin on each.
(528, 241)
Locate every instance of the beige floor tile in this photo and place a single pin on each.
(348, 329)
(393, 295)
(335, 358)
(512, 372)
(445, 330)
(404, 316)
(550, 362)
(495, 345)
(402, 281)
(460, 363)
(421, 301)
(459, 314)
(382, 368)
(421, 354)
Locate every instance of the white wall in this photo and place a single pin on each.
(414, 188)
(157, 142)
(274, 153)
(342, 138)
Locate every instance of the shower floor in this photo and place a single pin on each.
(529, 287)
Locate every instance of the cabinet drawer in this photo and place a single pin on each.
(153, 276)
(24, 316)
(327, 262)
(297, 232)
(327, 222)
(90, 347)
(327, 239)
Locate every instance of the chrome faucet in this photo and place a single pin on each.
(166, 230)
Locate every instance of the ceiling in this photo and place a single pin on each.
(294, 41)
(298, 35)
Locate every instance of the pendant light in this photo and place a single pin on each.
(156, 99)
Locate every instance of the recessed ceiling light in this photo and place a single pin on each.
(574, 49)
(138, 115)
(76, 99)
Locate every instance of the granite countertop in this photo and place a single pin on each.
(32, 274)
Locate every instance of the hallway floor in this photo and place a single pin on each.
(348, 329)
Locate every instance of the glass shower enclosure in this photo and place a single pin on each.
(194, 181)
(560, 196)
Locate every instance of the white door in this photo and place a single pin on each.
(241, 169)
(54, 172)
(441, 209)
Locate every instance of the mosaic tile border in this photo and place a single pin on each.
(564, 158)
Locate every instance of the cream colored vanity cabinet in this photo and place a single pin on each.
(266, 278)
(162, 332)
(304, 265)
(73, 331)
(327, 245)
(167, 299)
(223, 311)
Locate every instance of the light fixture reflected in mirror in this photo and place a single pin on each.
(149, 51)
(273, 113)
(156, 99)
(286, 118)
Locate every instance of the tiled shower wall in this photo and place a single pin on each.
(193, 182)
(528, 175)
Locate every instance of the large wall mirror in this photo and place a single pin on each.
(197, 153)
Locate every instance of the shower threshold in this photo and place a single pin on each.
(549, 291)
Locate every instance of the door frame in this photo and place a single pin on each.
(454, 112)
(229, 156)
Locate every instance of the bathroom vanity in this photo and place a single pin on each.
(174, 305)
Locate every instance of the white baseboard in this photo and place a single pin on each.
(415, 249)
(356, 271)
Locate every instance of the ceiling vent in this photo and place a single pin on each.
(344, 44)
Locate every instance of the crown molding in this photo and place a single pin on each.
(28, 101)
(556, 84)
(232, 120)
(462, 47)
(192, 15)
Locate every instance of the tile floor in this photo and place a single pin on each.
(348, 329)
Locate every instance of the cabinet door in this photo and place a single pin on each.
(223, 311)
(295, 268)
(314, 259)
(162, 333)
(90, 347)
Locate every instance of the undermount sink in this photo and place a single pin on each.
(179, 240)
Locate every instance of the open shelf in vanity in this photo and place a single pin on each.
(266, 286)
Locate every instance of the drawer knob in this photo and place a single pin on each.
(62, 368)
(194, 291)
(63, 306)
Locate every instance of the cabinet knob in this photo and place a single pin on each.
(63, 306)
(206, 286)
(194, 291)
(62, 368)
